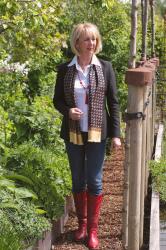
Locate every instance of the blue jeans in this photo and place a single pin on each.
(86, 162)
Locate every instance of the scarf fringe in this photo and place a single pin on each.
(76, 138)
(94, 135)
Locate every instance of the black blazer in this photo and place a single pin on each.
(110, 124)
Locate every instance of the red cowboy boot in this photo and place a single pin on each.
(80, 200)
(94, 203)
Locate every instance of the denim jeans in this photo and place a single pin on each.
(86, 163)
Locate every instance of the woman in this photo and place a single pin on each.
(85, 94)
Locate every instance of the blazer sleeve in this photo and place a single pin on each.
(59, 97)
(112, 101)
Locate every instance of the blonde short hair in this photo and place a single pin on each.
(84, 29)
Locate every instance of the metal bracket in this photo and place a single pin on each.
(134, 116)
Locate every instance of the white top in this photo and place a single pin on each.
(80, 91)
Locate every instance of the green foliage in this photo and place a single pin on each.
(22, 219)
(9, 239)
(158, 170)
(47, 169)
(15, 193)
(19, 178)
(27, 222)
(161, 7)
(38, 121)
(44, 122)
(34, 119)
(38, 33)
(24, 118)
(29, 31)
(6, 128)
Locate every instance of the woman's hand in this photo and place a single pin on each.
(116, 142)
(75, 114)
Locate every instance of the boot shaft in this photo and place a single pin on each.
(80, 200)
(93, 206)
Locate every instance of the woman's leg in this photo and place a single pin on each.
(95, 158)
(76, 156)
(95, 153)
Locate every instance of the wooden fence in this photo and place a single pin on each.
(140, 131)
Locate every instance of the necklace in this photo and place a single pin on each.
(86, 88)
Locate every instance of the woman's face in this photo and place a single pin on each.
(86, 44)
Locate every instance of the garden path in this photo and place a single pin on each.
(110, 223)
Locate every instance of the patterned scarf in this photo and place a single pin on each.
(96, 103)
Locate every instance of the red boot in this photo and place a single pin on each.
(94, 203)
(80, 200)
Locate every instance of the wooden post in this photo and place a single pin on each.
(136, 105)
(155, 64)
(126, 187)
(150, 126)
(136, 79)
(154, 108)
(150, 65)
(143, 163)
(150, 123)
(148, 136)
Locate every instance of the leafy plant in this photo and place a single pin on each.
(47, 169)
(9, 238)
(15, 192)
(158, 170)
(6, 128)
(22, 218)
(28, 224)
